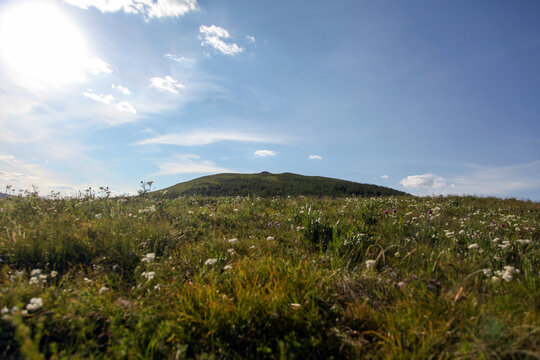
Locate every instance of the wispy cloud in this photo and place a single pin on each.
(315, 157)
(105, 99)
(96, 66)
(213, 35)
(189, 164)
(148, 8)
(250, 39)
(166, 84)
(384, 176)
(264, 153)
(178, 58)
(124, 90)
(205, 137)
(125, 106)
(423, 181)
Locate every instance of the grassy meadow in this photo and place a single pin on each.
(269, 278)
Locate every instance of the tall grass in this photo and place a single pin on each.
(390, 277)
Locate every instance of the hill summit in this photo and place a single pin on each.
(266, 184)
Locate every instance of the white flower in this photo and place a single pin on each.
(496, 240)
(35, 303)
(506, 244)
(487, 272)
(227, 267)
(523, 241)
(296, 306)
(152, 208)
(54, 273)
(233, 240)
(474, 246)
(495, 279)
(507, 276)
(98, 216)
(370, 264)
(210, 261)
(35, 272)
(103, 290)
(24, 312)
(190, 212)
(5, 310)
(148, 275)
(148, 258)
(230, 251)
(33, 281)
(461, 232)
(269, 238)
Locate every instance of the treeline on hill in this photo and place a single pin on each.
(266, 184)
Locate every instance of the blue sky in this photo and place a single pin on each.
(426, 97)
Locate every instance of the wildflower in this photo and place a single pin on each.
(148, 258)
(496, 240)
(461, 232)
(35, 272)
(395, 211)
(506, 244)
(157, 287)
(495, 279)
(103, 290)
(227, 267)
(98, 216)
(190, 212)
(235, 210)
(523, 241)
(5, 310)
(487, 272)
(148, 275)
(159, 203)
(402, 284)
(43, 278)
(24, 312)
(474, 246)
(370, 264)
(233, 240)
(33, 281)
(35, 303)
(430, 212)
(54, 273)
(152, 208)
(296, 306)
(230, 251)
(270, 238)
(210, 262)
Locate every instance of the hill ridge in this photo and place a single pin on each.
(266, 184)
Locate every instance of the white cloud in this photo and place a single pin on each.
(384, 176)
(124, 90)
(213, 35)
(205, 137)
(166, 84)
(264, 153)
(250, 38)
(189, 164)
(315, 157)
(148, 8)
(105, 99)
(177, 58)
(125, 106)
(7, 157)
(423, 181)
(96, 66)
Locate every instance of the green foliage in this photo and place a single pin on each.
(267, 278)
(267, 185)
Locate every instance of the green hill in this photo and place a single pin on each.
(266, 184)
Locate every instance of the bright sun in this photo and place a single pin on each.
(40, 46)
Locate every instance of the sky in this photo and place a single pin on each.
(421, 96)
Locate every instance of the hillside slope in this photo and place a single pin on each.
(266, 184)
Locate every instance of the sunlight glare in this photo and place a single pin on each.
(41, 47)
